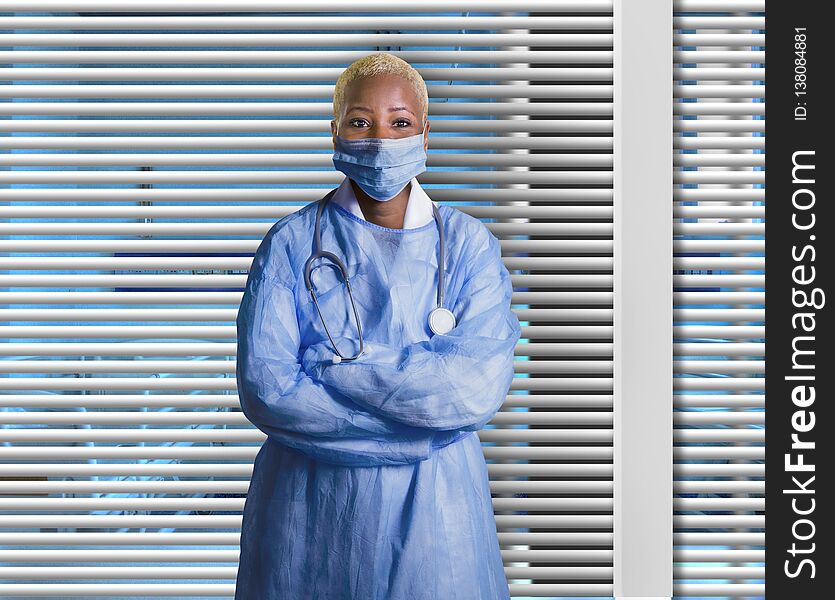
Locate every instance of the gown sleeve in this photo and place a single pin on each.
(284, 402)
(453, 381)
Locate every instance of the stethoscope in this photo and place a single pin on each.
(441, 320)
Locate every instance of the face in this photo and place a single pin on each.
(384, 106)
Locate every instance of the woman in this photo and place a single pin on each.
(372, 483)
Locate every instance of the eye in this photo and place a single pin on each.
(355, 120)
(406, 122)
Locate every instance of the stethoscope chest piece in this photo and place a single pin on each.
(441, 320)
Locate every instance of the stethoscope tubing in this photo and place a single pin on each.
(319, 253)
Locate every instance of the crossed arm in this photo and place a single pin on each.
(388, 406)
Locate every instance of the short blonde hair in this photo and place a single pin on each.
(380, 63)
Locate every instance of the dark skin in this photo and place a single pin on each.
(383, 106)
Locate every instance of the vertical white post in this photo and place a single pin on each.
(643, 288)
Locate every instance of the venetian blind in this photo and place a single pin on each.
(148, 147)
(719, 299)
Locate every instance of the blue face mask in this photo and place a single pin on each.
(382, 167)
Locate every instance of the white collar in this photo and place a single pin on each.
(418, 208)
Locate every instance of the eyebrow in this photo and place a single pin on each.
(391, 109)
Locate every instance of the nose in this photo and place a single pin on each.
(378, 131)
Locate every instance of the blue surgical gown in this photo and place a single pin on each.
(372, 483)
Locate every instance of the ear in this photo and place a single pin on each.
(426, 136)
(333, 133)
